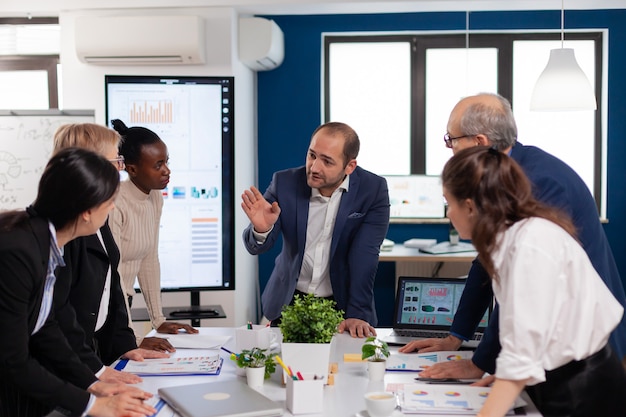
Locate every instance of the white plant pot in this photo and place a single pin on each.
(255, 377)
(307, 358)
(376, 370)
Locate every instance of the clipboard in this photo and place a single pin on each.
(198, 365)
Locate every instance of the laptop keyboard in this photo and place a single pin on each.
(428, 334)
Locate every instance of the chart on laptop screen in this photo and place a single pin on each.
(431, 303)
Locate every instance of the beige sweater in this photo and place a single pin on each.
(135, 226)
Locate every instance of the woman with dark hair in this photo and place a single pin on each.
(556, 314)
(38, 369)
(135, 224)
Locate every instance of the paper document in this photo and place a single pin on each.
(417, 362)
(194, 341)
(446, 247)
(193, 365)
(446, 399)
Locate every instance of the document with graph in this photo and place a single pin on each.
(416, 362)
(190, 365)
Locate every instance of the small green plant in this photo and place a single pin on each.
(255, 358)
(310, 319)
(375, 350)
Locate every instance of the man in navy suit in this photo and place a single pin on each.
(487, 119)
(332, 216)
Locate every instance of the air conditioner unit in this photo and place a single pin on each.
(140, 40)
(261, 43)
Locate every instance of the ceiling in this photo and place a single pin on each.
(39, 8)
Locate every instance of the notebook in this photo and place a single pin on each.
(425, 308)
(224, 399)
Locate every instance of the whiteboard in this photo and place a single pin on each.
(26, 143)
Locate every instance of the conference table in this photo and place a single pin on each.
(342, 399)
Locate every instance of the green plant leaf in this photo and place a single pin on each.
(374, 349)
(310, 319)
(255, 358)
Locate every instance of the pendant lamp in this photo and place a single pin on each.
(562, 86)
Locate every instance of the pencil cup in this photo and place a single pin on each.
(305, 396)
(258, 336)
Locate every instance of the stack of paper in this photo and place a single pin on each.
(194, 341)
(416, 362)
(447, 247)
(446, 399)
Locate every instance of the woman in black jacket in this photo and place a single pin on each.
(76, 193)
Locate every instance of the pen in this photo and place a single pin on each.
(300, 377)
(282, 364)
(453, 381)
(291, 374)
(249, 325)
(226, 350)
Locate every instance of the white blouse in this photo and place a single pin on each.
(554, 307)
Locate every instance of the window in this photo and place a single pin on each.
(29, 61)
(397, 91)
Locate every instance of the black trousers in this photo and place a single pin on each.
(592, 387)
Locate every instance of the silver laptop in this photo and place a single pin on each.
(425, 308)
(224, 399)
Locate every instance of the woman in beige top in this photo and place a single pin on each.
(135, 224)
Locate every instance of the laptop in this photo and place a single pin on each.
(425, 308)
(224, 399)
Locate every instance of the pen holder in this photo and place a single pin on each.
(258, 336)
(305, 396)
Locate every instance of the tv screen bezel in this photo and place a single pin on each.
(228, 167)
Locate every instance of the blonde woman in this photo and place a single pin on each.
(89, 302)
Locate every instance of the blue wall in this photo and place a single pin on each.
(289, 107)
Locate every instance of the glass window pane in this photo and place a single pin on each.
(570, 136)
(24, 90)
(450, 75)
(370, 91)
(30, 39)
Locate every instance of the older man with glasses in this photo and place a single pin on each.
(487, 119)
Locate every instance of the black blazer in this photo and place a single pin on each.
(63, 381)
(77, 297)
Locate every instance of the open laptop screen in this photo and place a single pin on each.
(429, 303)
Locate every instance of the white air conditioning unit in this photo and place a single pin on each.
(261, 43)
(140, 40)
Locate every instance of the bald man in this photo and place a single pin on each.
(487, 119)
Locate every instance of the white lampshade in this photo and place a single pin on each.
(562, 86)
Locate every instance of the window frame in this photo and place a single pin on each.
(503, 41)
(46, 63)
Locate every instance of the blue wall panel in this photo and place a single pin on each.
(289, 105)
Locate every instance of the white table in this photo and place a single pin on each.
(343, 399)
(412, 262)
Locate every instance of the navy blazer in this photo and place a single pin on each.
(77, 297)
(360, 227)
(24, 253)
(558, 185)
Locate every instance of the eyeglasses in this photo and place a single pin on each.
(448, 140)
(118, 162)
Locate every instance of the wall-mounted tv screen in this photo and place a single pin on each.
(194, 116)
(415, 197)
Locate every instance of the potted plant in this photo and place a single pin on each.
(308, 326)
(376, 352)
(259, 364)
